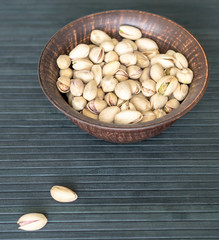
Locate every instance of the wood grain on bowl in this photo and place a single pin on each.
(165, 32)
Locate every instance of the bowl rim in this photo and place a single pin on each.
(131, 127)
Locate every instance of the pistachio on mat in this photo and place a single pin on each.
(63, 194)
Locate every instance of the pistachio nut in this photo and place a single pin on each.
(181, 91)
(63, 84)
(129, 32)
(111, 99)
(172, 71)
(128, 59)
(128, 117)
(158, 101)
(108, 83)
(100, 93)
(66, 72)
(148, 116)
(85, 75)
(90, 90)
(80, 51)
(123, 90)
(63, 194)
(107, 45)
(170, 52)
(127, 106)
(134, 46)
(145, 74)
(180, 61)
(76, 87)
(98, 36)
(63, 61)
(32, 221)
(82, 64)
(70, 98)
(151, 53)
(157, 72)
(78, 103)
(165, 60)
(159, 113)
(166, 85)
(108, 114)
(123, 47)
(142, 60)
(111, 68)
(97, 105)
(145, 44)
(140, 103)
(121, 74)
(97, 73)
(111, 56)
(185, 75)
(114, 41)
(148, 87)
(89, 114)
(171, 104)
(134, 72)
(96, 54)
(134, 85)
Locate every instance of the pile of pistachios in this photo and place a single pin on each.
(123, 82)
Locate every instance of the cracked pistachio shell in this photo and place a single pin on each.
(181, 61)
(96, 54)
(134, 85)
(134, 46)
(111, 68)
(89, 114)
(167, 85)
(185, 75)
(171, 104)
(148, 116)
(108, 114)
(114, 41)
(111, 99)
(134, 72)
(120, 102)
(158, 101)
(127, 106)
(90, 90)
(129, 32)
(97, 105)
(123, 90)
(63, 61)
(140, 103)
(82, 64)
(145, 74)
(148, 87)
(108, 83)
(151, 53)
(128, 117)
(145, 44)
(32, 221)
(128, 59)
(107, 45)
(157, 72)
(100, 93)
(63, 84)
(172, 71)
(181, 91)
(98, 36)
(111, 56)
(63, 194)
(97, 73)
(123, 47)
(165, 60)
(70, 98)
(159, 113)
(80, 51)
(78, 103)
(85, 75)
(170, 52)
(66, 72)
(121, 74)
(76, 87)
(142, 60)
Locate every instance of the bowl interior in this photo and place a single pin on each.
(166, 33)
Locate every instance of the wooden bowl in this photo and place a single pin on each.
(168, 35)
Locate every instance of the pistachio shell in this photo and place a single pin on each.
(148, 116)
(82, 64)
(141, 104)
(114, 41)
(151, 53)
(63, 84)
(128, 59)
(108, 114)
(166, 85)
(63, 194)
(181, 61)
(171, 104)
(134, 46)
(111, 68)
(76, 87)
(127, 106)
(96, 105)
(111, 56)
(185, 75)
(135, 86)
(156, 72)
(145, 44)
(181, 91)
(134, 72)
(129, 32)
(63, 61)
(145, 74)
(80, 51)
(107, 45)
(121, 74)
(148, 87)
(123, 90)
(89, 114)
(108, 83)
(70, 98)
(123, 47)
(172, 71)
(142, 60)
(128, 117)
(66, 72)
(78, 103)
(111, 99)
(90, 90)
(100, 93)
(98, 36)
(159, 113)
(96, 54)
(120, 102)
(171, 52)
(97, 73)
(158, 101)
(85, 75)
(165, 60)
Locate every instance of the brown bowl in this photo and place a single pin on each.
(165, 32)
